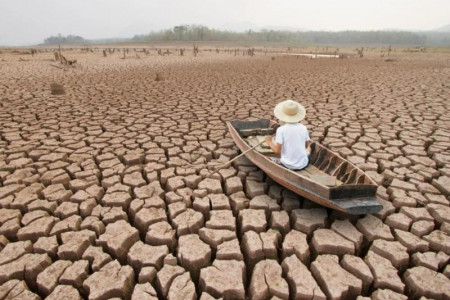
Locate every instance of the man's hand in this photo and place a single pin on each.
(276, 148)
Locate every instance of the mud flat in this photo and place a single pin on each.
(103, 191)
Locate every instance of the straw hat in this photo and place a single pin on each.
(289, 111)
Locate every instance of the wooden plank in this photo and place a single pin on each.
(253, 141)
(256, 131)
(260, 139)
(359, 206)
(324, 179)
(312, 169)
(319, 176)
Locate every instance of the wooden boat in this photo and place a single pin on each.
(329, 179)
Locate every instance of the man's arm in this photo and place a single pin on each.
(276, 148)
(307, 145)
(308, 142)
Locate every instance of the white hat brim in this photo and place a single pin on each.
(278, 111)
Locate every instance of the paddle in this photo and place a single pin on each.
(220, 167)
(230, 161)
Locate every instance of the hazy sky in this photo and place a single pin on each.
(25, 22)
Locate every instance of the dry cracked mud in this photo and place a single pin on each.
(103, 189)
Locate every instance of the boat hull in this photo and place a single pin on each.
(362, 201)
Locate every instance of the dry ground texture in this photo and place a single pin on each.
(97, 199)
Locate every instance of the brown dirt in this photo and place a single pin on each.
(97, 198)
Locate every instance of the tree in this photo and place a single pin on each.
(64, 40)
(179, 31)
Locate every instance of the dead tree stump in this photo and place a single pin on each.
(159, 77)
(57, 89)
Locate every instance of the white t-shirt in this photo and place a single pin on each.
(293, 137)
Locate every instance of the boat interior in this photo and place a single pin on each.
(325, 167)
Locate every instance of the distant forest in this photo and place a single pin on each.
(202, 33)
(65, 40)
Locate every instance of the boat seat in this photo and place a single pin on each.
(317, 175)
(256, 131)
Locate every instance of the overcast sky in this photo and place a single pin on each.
(26, 22)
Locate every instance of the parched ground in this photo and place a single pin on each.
(103, 191)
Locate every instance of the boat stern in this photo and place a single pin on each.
(358, 206)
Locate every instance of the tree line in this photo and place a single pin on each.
(349, 37)
(65, 40)
(194, 33)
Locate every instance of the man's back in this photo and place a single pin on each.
(293, 138)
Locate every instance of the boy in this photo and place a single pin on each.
(292, 139)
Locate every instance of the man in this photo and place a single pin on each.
(292, 139)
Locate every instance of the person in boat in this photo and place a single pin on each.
(292, 141)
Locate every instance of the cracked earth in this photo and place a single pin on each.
(103, 189)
